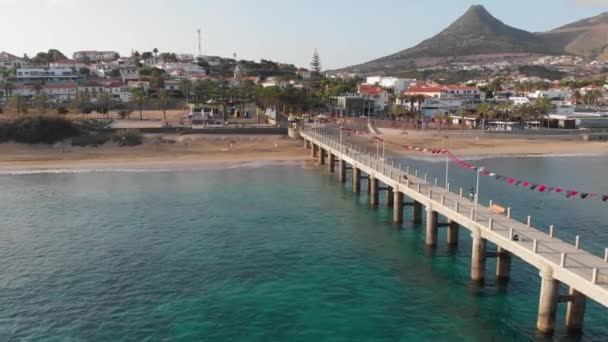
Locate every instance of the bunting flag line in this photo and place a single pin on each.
(541, 188)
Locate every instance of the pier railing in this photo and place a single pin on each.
(568, 263)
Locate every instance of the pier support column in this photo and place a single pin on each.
(417, 213)
(503, 265)
(321, 156)
(397, 206)
(431, 227)
(306, 143)
(373, 196)
(478, 259)
(547, 306)
(356, 180)
(313, 149)
(389, 197)
(575, 313)
(331, 159)
(369, 184)
(452, 238)
(341, 171)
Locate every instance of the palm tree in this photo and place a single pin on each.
(485, 111)
(105, 101)
(20, 104)
(463, 113)
(42, 100)
(7, 87)
(506, 107)
(155, 51)
(163, 100)
(525, 112)
(577, 96)
(139, 98)
(82, 101)
(542, 106)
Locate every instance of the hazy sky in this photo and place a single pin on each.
(346, 32)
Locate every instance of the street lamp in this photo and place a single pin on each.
(447, 169)
(479, 171)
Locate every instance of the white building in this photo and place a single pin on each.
(517, 101)
(398, 85)
(129, 73)
(45, 75)
(274, 82)
(69, 63)
(560, 94)
(96, 56)
(304, 73)
(56, 92)
(181, 70)
(378, 95)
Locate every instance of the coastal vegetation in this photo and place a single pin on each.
(37, 129)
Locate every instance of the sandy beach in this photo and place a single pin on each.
(479, 146)
(164, 152)
(194, 151)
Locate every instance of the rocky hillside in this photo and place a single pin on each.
(478, 36)
(587, 37)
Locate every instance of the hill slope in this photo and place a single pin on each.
(476, 32)
(587, 37)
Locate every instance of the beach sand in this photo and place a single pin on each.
(479, 146)
(166, 152)
(194, 151)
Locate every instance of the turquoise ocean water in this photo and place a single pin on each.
(271, 253)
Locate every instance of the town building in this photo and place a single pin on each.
(38, 75)
(350, 105)
(304, 73)
(96, 56)
(378, 95)
(396, 85)
(8, 61)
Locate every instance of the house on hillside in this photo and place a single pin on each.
(378, 95)
(8, 61)
(96, 56)
(42, 75)
(304, 73)
(394, 84)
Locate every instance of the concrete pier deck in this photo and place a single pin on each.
(556, 260)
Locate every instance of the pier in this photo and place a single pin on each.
(557, 261)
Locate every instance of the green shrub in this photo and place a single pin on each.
(128, 138)
(37, 129)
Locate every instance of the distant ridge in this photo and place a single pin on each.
(478, 33)
(587, 37)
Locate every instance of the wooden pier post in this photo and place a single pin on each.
(397, 206)
(575, 313)
(547, 305)
(373, 196)
(452, 238)
(503, 265)
(313, 150)
(431, 227)
(478, 258)
(417, 213)
(342, 171)
(356, 180)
